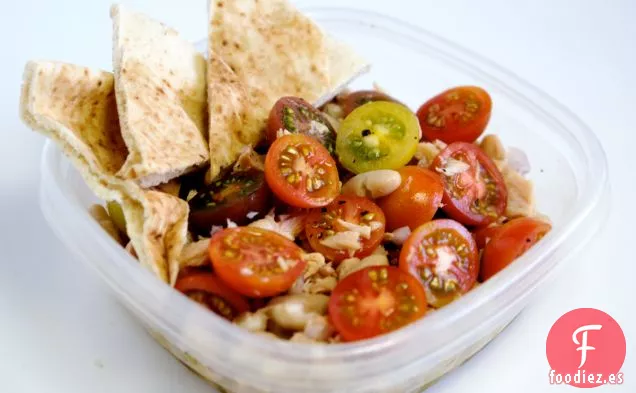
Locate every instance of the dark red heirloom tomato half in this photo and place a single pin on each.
(297, 116)
(474, 190)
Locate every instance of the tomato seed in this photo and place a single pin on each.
(373, 275)
(293, 178)
(453, 96)
(435, 283)
(292, 151)
(450, 285)
(384, 274)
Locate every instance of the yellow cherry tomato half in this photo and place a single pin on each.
(377, 135)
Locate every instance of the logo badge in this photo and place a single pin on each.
(586, 348)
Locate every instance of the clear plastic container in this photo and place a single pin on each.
(570, 174)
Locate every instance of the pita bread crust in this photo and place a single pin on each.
(260, 51)
(161, 97)
(75, 107)
(74, 111)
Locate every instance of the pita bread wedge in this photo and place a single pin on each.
(75, 107)
(258, 52)
(161, 98)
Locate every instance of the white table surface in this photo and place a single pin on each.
(61, 329)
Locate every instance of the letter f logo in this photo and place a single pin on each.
(583, 344)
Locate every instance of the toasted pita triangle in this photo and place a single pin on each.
(161, 98)
(258, 52)
(75, 107)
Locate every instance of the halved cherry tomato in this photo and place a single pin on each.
(297, 116)
(460, 114)
(256, 262)
(474, 190)
(443, 255)
(232, 197)
(375, 300)
(510, 241)
(211, 292)
(415, 201)
(377, 135)
(484, 234)
(354, 224)
(301, 172)
(358, 98)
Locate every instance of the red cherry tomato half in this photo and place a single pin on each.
(509, 242)
(211, 292)
(443, 255)
(375, 300)
(474, 189)
(484, 234)
(415, 201)
(358, 98)
(460, 114)
(301, 172)
(256, 262)
(297, 116)
(349, 226)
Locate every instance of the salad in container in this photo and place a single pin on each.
(282, 223)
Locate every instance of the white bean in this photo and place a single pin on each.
(294, 311)
(398, 236)
(254, 322)
(300, 337)
(318, 328)
(351, 265)
(373, 184)
(492, 146)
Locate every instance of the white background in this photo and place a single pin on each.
(62, 331)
